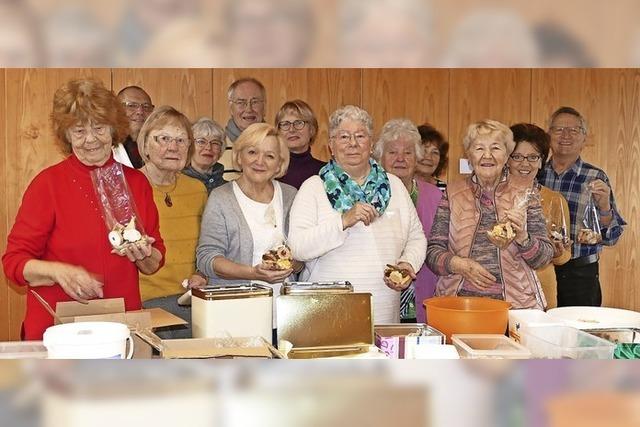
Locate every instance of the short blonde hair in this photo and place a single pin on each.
(489, 129)
(394, 130)
(302, 110)
(161, 116)
(85, 100)
(255, 135)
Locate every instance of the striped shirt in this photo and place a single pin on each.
(572, 184)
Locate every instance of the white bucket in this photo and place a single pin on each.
(88, 340)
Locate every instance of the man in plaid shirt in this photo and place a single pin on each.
(566, 173)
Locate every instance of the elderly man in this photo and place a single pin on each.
(247, 98)
(137, 104)
(568, 174)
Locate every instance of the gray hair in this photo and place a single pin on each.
(489, 128)
(205, 127)
(394, 130)
(572, 111)
(349, 112)
(234, 86)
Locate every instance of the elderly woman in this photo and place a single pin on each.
(434, 161)
(526, 160)
(210, 143)
(58, 246)
(248, 216)
(399, 150)
(353, 219)
(165, 144)
(298, 126)
(460, 250)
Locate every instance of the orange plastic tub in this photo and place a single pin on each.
(467, 315)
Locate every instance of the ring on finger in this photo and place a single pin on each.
(79, 290)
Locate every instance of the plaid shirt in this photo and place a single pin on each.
(571, 184)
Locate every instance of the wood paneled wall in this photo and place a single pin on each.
(449, 99)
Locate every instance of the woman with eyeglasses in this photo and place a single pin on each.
(298, 126)
(351, 220)
(209, 144)
(59, 245)
(165, 143)
(526, 160)
(461, 249)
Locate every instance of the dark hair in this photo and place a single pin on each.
(430, 135)
(535, 136)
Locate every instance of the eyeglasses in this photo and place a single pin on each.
(201, 142)
(345, 137)
(532, 158)
(297, 125)
(133, 106)
(82, 132)
(573, 131)
(166, 140)
(243, 103)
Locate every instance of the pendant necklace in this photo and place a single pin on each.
(167, 194)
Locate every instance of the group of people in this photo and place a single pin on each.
(213, 200)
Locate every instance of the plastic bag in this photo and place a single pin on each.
(118, 206)
(556, 222)
(590, 232)
(502, 234)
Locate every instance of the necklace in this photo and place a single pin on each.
(167, 194)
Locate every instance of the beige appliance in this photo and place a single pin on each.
(243, 310)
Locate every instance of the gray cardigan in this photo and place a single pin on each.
(225, 232)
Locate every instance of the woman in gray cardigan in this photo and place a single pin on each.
(249, 216)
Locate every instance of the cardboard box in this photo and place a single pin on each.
(206, 348)
(400, 340)
(112, 310)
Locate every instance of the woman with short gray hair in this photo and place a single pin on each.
(399, 149)
(209, 144)
(353, 219)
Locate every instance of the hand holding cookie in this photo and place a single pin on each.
(399, 277)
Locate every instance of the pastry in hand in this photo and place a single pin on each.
(397, 275)
(278, 258)
(587, 236)
(502, 234)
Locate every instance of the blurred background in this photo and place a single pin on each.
(319, 33)
(247, 393)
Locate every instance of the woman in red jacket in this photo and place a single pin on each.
(59, 244)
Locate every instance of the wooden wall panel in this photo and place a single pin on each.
(608, 99)
(4, 221)
(323, 89)
(30, 146)
(188, 90)
(476, 94)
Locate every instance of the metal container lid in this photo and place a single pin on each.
(305, 288)
(223, 292)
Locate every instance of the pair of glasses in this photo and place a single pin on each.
(133, 106)
(165, 140)
(346, 137)
(201, 142)
(243, 103)
(532, 158)
(82, 132)
(573, 130)
(297, 125)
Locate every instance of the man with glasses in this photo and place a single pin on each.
(568, 174)
(247, 99)
(137, 105)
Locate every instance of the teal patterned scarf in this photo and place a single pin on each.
(343, 192)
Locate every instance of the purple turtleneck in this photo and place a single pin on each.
(301, 167)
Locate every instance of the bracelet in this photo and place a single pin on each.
(608, 212)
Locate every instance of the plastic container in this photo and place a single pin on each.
(596, 317)
(400, 340)
(524, 318)
(488, 346)
(565, 342)
(467, 315)
(88, 340)
(22, 350)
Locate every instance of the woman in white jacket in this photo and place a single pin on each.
(353, 219)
